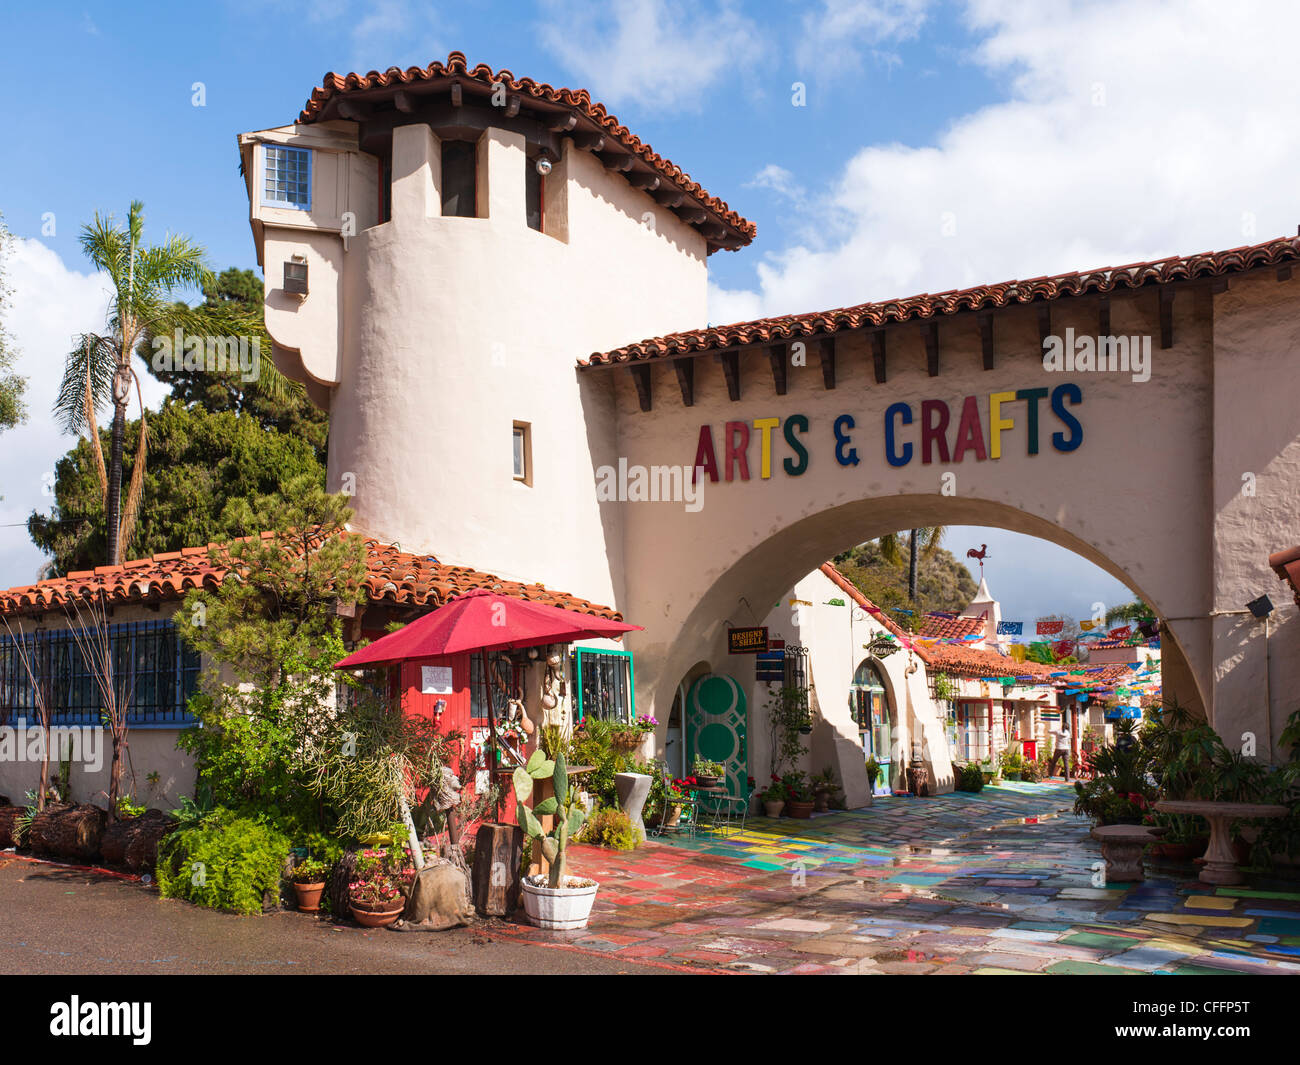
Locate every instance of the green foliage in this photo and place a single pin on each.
(796, 787)
(311, 871)
(704, 767)
(592, 744)
(1120, 790)
(945, 688)
(788, 713)
(611, 828)
(227, 862)
(563, 805)
(126, 809)
(283, 608)
(873, 771)
(969, 777)
(944, 583)
(200, 463)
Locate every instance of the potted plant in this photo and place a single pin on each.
(798, 795)
(629, 737)
(1011, 764)
(708, 774)
(824, 789)
(554, 899)
(375, 892)
(309, 877)
(773, 798)
(989, 771)
(873, 773)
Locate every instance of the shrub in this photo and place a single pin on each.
(224, 863)
(969, 778)
(611, 828)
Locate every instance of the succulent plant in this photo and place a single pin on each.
(564, 806)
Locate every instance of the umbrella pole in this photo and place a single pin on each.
(492, 725)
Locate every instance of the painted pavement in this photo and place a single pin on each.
(1000, 882)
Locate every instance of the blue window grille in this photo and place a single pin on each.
(160, 671)
(604, 683)
(287, 177)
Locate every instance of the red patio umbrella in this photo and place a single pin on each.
(481, 620)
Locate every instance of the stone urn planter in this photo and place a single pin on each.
(799, 808)
(1122, 847)
(822, 800)
(773, 807)
(560, 907)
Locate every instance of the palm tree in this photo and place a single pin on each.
(99, 366)
(921, 544)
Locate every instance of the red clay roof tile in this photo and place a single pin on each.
(394, 576)
(943, 627)
(553, 101)
(885, 312)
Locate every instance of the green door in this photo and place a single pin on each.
(715, 728)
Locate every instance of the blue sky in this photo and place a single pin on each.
(942, 145)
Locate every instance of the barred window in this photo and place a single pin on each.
(603, 681)
(507, 683)
(160, 672)
(796, 667)
(287, 177)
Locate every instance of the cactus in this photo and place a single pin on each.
(563, 805)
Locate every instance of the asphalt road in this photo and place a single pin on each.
(62, 921)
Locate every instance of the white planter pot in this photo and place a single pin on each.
(564, 907)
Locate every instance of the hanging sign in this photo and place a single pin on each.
(881, 647)
(746, 641)
(769, 666)
(435, 680)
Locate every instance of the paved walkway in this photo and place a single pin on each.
(997, 882)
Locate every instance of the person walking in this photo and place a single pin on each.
(1061, 746)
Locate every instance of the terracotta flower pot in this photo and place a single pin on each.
(378, 915)
(799, 808)
(773, 809)
(309, 896)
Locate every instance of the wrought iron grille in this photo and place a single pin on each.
(603, 680)
(159, 670)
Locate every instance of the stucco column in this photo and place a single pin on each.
(502, 156)
(417, 172)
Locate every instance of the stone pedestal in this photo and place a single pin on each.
(633, 790)
(1122, 846)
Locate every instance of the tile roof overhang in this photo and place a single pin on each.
(564, 112)
(1286, 564)
(393, 576)
(943, 627)
(981, 299)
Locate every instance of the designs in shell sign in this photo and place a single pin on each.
(933, 431)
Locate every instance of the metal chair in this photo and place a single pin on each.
(690, 811)
(721, 814)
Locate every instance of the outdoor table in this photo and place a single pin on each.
(718, 802)
(1122, 846)
(1220, 863)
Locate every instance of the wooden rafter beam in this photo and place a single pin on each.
(512, 105)
(403, 101)
(1167, 293)
(562, 123)
(985, 320)
(589, 142)
(457, 94)
(776, 357)
(731, 371)
(641, 376)
(931, 332)
(685, 369)
(643, 180)
(618, 161)
(826, 352)
(878, 355)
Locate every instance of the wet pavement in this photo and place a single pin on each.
(997, 882)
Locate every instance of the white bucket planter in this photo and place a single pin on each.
(562, 907)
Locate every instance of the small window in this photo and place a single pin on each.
(603, 682)
(523, 453)
(287, 180)
(534, 194)
(459, 179)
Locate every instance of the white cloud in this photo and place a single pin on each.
(50, 304)
(836, 35)
(1129, 132)
(663, 55)
(779, 180)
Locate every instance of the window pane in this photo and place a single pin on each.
(520, 471)
(533, 194)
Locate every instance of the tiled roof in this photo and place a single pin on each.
(394, 576)
(855, 593)
(1008, 293)
(941, 626)
(540, 97)
(975, 662)
(1286, 564)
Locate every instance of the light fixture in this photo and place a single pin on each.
(1261, 607)
(543, 165)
